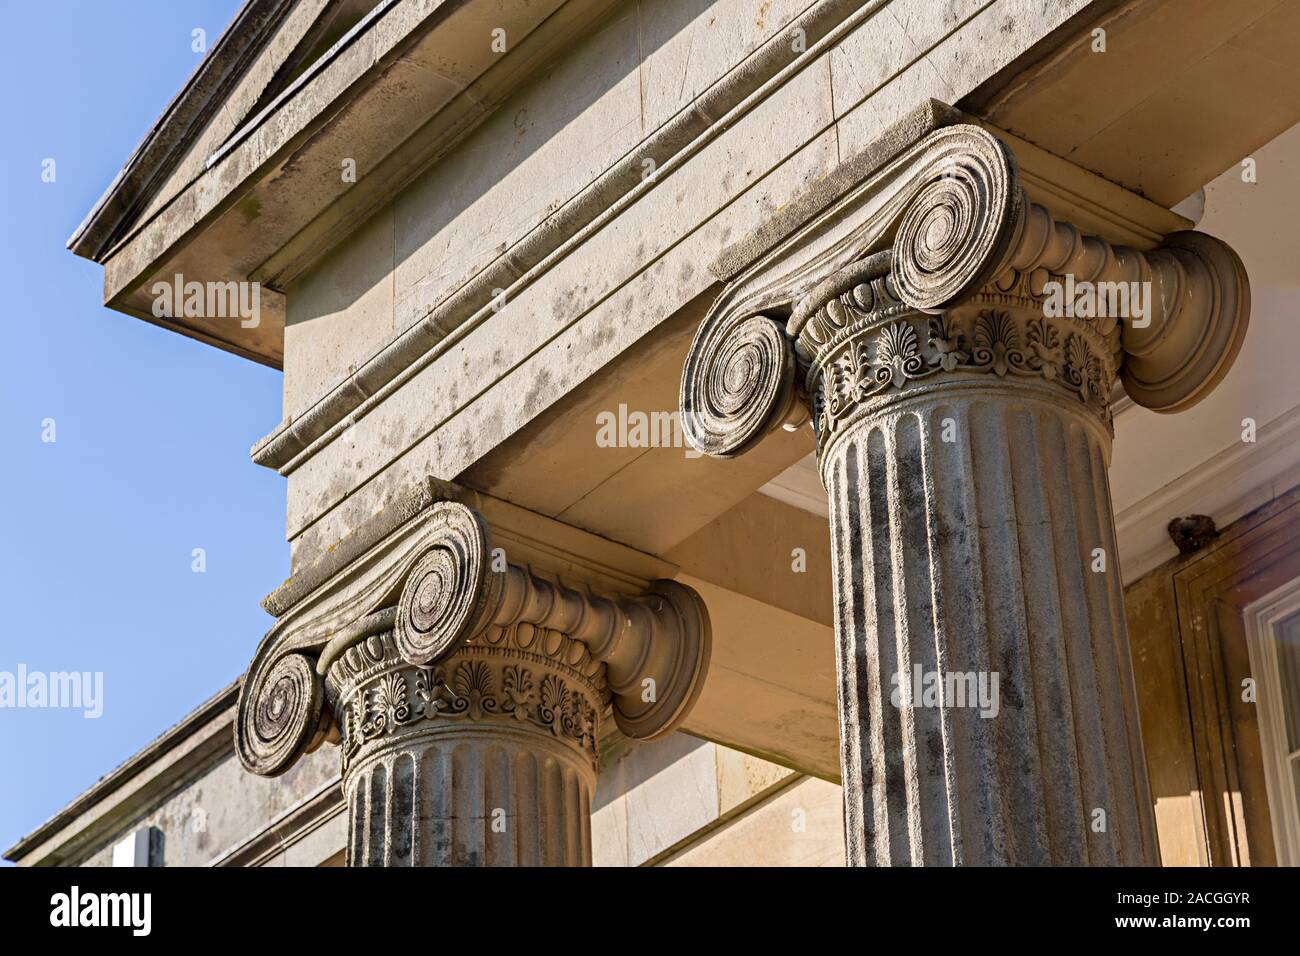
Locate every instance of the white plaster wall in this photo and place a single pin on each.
(1165, 466)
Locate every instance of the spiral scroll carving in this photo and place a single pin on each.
(738, 383)
(956, 232)
(279, 713)
(443, 596)
(1179, 359)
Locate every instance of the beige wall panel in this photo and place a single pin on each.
(771, 683)
(341, 315)
(538, 150)
(799, 826)
(751, 550)
(655, 797)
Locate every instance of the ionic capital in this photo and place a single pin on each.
(938, 269)
(466, 633)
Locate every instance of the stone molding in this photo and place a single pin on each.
(183, 753)
(443, 324)
(293, 826)
(433, 590)
(946, 225)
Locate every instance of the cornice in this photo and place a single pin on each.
(408, 67)
(189, 111)
(443, 324)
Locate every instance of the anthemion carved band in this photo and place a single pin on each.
(467, 699)
(963, 435)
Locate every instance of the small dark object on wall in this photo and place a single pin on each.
(1192, 532)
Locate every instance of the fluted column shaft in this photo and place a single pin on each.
(484, 759)
(956, 346)
(987, 707)
(470, 797)
(966, 526)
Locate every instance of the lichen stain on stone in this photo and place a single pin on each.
(338, 488)
(565, 302)
(1008, 688)
(934, 750)
(601, 337)
(533, 400)
(250, 208)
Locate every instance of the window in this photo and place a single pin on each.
(1273, 639)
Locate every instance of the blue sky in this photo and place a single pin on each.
(152, 429)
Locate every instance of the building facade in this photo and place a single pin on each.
(718, 432)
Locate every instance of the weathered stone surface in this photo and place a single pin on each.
(963, 432)
(507, 247)
(977, 558)
(600, 269)
(486, 758)
(466, 692)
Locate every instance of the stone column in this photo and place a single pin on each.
(963, 428)
(485, 759)
(965, 457)
(468, 712)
